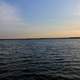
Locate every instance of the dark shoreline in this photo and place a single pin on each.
(41, 38)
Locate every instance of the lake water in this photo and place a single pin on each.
(49, 59)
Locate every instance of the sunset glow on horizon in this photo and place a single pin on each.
(39, 18)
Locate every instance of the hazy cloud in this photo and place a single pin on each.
(10, 21)
(76, 8)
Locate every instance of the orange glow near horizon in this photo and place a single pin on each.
(52, 34)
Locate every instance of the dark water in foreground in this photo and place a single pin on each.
(57, 59)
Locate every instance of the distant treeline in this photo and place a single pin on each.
(42, 38)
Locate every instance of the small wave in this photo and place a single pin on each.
(37, 77)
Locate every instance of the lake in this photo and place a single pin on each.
(48, 59)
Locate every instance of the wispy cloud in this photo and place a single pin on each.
(76, 8)
(11, 22)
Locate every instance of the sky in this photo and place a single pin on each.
(39, 18)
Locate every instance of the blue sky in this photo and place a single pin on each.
(39, 18)
(43, 10)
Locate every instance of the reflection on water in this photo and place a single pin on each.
(57, 59)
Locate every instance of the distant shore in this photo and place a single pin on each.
(41, 38)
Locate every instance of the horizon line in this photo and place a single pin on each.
(39, 38)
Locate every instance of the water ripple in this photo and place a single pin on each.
(40, 59)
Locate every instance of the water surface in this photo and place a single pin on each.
(55, 59)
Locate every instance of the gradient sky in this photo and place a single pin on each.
(39, 18)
